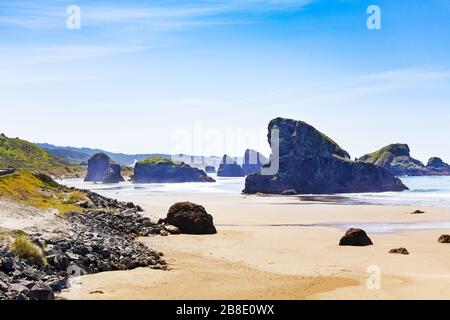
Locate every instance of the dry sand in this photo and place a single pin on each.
(261, 252)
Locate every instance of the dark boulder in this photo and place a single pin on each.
(399, 251)
(445, 238)
(253, 161)
(190, 218)
(311, 163)
(355, 237)
(41, 291)
(229, 168)
(397, 160)
(162, 170)
(102, 169)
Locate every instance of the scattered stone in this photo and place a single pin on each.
(418, 212)
(399, 251)
(290, 192)
(445, 238)
(41, 291)
(172, 229)
(355, 237)
(190, 218)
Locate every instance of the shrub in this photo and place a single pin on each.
(24, 248)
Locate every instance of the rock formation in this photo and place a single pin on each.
(229, 168)
(210, 169)
(102, 169)
(445, 238)
(355, 237)
(253, 161)
(399, 251)
(397, 160)
(162, 170)
(438, 167)
(312, 163)
(190, 218)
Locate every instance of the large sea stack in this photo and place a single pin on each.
(253, 161)
(229, 168)
(312, 163)
(162, 170)
(102, 169)
(397, 160)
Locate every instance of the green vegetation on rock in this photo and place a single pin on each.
(22, 247)
(157, 160)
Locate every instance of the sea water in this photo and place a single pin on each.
(424, 191)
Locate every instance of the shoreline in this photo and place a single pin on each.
(282, 261)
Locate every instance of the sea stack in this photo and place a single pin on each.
(229, 168)
(210, 169)
(163, 170)
(396, 158)
(253, 161)
(312, 163)
(438, 167)
(102, 169)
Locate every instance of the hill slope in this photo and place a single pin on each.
(22, 154)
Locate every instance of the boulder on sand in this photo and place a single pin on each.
(399, 251)
(102, 169)
(190, 218)
(355, 237)
(445, 238)
(229, 168)
(309, 162)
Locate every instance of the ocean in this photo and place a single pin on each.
(424, 191)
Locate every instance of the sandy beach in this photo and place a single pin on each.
(279, 248)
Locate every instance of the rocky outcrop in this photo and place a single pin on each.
(102, 169)
(312, 163)
(436, 166)
(399, 251)
(397, 160)
(210, 169)
(229, 168)
(253, 161)
(355, 237)
(162, 170)
(190, 218)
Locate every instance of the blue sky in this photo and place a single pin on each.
(194, 76)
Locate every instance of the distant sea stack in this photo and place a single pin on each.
(163, 170)
(229, 168)
(253, 161)
(312, 163)
(102, 169)
(210, 169)
(438, 167)
(397, 160)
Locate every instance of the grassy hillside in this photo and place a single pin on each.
(21, 154)
(40, 191)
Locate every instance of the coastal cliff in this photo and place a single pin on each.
(312, 163)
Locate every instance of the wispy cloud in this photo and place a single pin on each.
(155, 14)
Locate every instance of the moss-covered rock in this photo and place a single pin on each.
(397, 160)
(312, 163)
